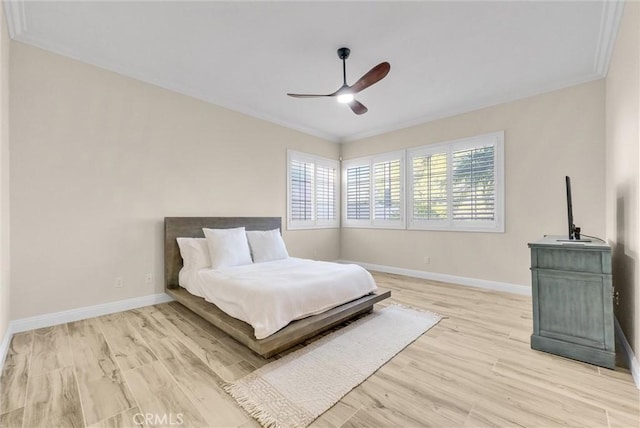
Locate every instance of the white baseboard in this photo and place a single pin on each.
(47, 320)
(632, 361)
(4, 346)
(462, 280)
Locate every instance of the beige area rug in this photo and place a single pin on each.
(294, 390)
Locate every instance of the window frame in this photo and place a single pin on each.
(370, 161)
(496, 139)
(313, 223)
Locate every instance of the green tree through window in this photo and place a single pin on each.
(473, 190)
(430, 187)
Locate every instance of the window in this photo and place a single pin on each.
(457, 185)
(312, 191)
(373, 191)
(358, 179)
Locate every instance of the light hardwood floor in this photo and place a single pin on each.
(474, 368)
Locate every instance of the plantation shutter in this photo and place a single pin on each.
(458, 185)
(373, 191)
(387, 190)
(325, 193)
(312, 191)
(429, 184)
(301, 190)
(473, 186)
(358, 193)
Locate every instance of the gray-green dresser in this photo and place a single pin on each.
(573, 300)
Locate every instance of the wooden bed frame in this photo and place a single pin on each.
(291, 335)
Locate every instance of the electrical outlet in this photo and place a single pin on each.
(427, 260)
(148, 278)
(119, 282)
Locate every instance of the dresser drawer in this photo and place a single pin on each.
(578, 260)
(574, 307)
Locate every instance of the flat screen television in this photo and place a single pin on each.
(574, 231)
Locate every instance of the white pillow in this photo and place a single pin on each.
(267, 245)
(228, 247)
(194, 252)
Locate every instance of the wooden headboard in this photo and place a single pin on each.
(175, 227)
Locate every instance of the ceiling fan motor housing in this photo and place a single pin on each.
(343, 53)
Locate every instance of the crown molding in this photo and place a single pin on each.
(128, 72)
(609, 24)
(471, 107)
(611, 16)
(16, 19)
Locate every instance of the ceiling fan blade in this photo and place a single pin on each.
(310, 95)
(372, 76)
(358, 107)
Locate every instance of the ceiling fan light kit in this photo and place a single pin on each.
(346, 94)
(345, 98)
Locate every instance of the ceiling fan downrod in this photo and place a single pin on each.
(343, 54)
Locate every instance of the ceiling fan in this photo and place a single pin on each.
(346, 93)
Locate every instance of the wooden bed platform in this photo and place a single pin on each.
(291, 335)
(296, 332)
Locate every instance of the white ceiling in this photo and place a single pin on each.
(446, 57)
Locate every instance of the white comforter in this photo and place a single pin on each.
(270, 295)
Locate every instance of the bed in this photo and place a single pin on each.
(289, 336)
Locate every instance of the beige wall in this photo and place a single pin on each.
(5, 315)
(623, 162)
(97, 161)
(546, 137)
